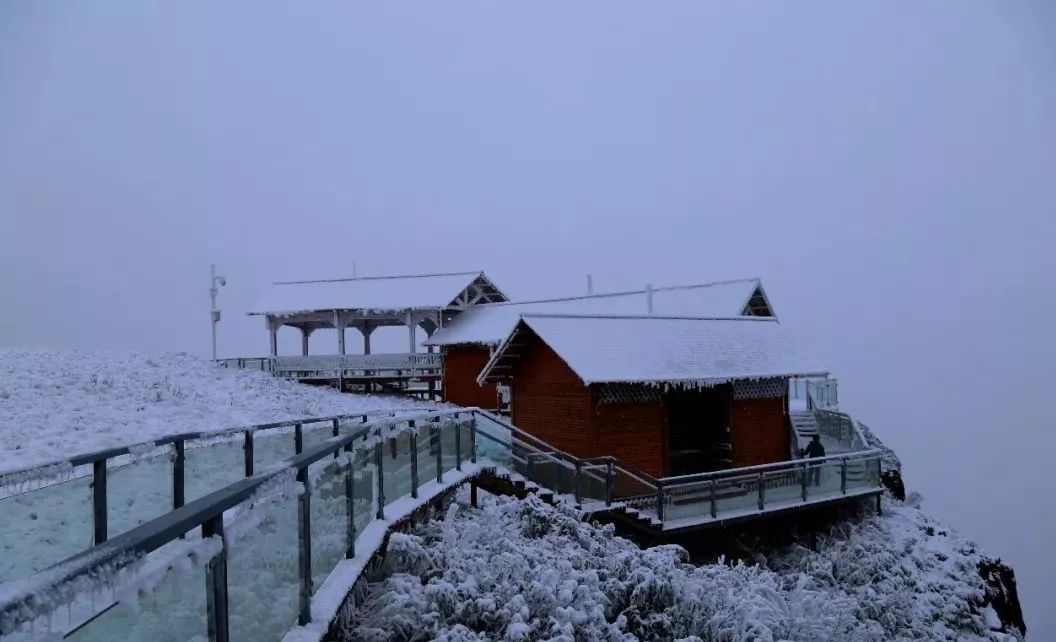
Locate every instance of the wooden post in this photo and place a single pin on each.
(762, 492)
(714, 503)
(379, 458)
(298, 439)
(340, 328)
(305, 333)
(843, 476)
(608, 483)
(414, 460)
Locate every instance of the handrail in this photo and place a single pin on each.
(206, 512)
(108, 453)
(792, 465)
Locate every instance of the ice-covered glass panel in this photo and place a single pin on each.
(174, 611)
(272, 446)
(212, 464)
(428, 447)
(44, 526)
(364, 488)
(137, 492)
(263, 587)
(450, 446)
(329, 517)
(396, 452)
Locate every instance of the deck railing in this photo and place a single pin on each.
(85, 500)
(341, 485)
(410, 364)
(288, 526)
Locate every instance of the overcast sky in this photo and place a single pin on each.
(888, 169)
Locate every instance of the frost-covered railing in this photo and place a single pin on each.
(358, 365)
(688, 500)
(246, 363)
(265, 542)
(54, 510)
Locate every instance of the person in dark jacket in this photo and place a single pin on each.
(813, 450)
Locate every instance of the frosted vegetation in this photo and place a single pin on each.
(523, 570)
(57, 403)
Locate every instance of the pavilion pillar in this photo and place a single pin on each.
(411, 326)
(340, 327)
(305, 333)
(366, 329)
(273, 336)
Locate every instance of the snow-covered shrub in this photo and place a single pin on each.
(524, 570)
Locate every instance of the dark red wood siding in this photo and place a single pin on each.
(634, 433)
(758, 431)
(550, 401)
(462, 366)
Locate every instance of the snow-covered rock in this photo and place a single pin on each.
(57, 403)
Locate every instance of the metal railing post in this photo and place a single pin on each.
(99, 500)
(805, 478)
(558, 476)
(458, 446)
(435, 432)
(298, 439)
(216, 583)
(248, 448)
(714, 503)
(379, 457)
(579, 482)
(350, 503)
(762, 492)
(337, 432)
(843, 476)
(530, 465)
(473, 440)
(608, 483)
(178, 464)
(304, 548)
(660, 502)
(414, 460)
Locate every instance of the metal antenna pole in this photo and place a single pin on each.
(214, 314)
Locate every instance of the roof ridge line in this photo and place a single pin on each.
(379, 278)
(661, 317)
(602, 295)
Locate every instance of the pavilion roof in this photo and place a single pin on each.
(490, 324)
(377, 293)
(657, 349)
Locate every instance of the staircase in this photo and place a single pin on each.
(503, 482)
(804, 427)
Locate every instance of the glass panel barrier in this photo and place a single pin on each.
(316, 433)
(329, 517)
(448, 435)
(593, 485)
(428, 442)
(397, 466)
(45, 525)
(494, 441)
(213, 463)
(271, 446)
(137, 492)
(262, 580)
(364, 485)
(174, 611)
(823, 480)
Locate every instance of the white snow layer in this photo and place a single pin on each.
(659, 349)
(522, 570)
(59, 403)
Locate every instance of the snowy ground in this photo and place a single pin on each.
(54, 404)
(57, 403)
(522, 570)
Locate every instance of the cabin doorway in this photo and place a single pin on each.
(699, 429)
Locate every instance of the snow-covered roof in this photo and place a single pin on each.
(489, 324)
(657, 349)
(379, 293)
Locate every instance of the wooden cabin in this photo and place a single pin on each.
(667, 395)
(468, 340)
